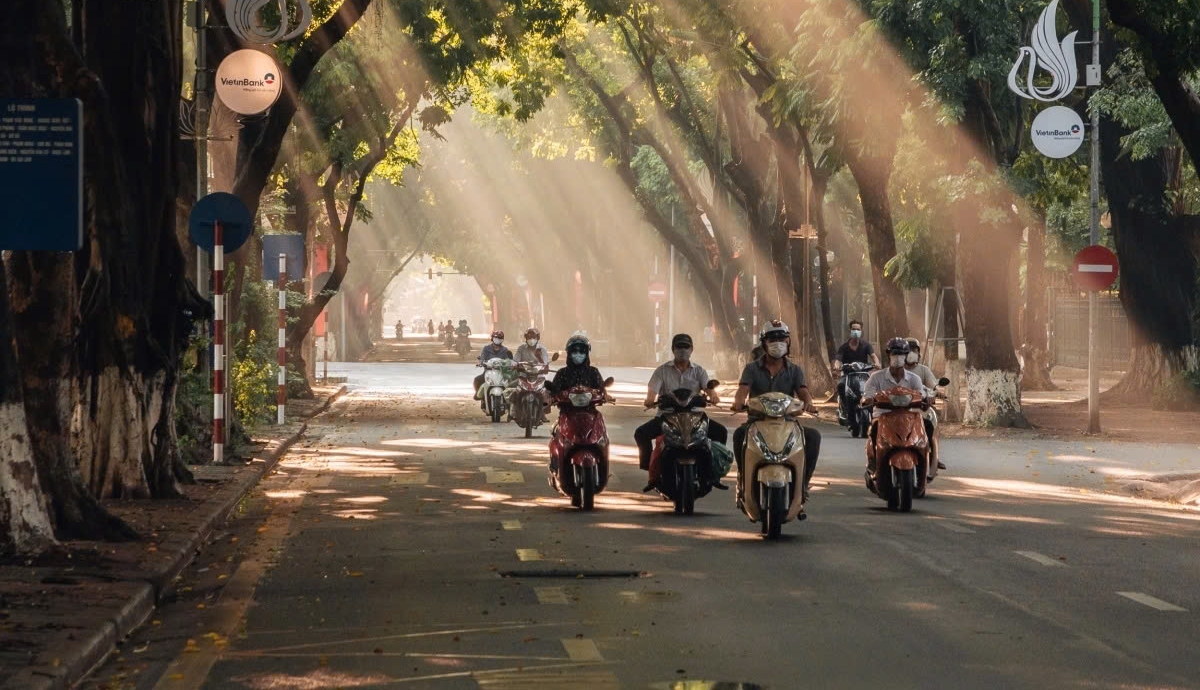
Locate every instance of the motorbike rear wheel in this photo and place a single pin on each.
(528, 428)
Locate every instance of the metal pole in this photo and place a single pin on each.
(1093, 297)
(342, 340)
(657, 335)
(671, 294)
(218, 343)
(200, 132)
(325, 354)
(281, 395)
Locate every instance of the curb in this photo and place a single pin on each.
(95, 647)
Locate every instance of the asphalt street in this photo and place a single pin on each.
(406, 543)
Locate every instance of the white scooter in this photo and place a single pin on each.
(497, 376)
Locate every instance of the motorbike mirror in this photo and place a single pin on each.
(609, 381)
(554, 358)
(712, 385)
(943, 381)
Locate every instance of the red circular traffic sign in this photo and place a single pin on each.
(1095, 268)
(658, 291)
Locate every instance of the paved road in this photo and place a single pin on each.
(373, 558)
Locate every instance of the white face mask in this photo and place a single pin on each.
(912, 358)
(578, 357)
(897, 361)
(777, 350)
(856, 333)
(683, 354)
(496, 341)
(531, 342)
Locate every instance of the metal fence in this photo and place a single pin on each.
(1069, 331)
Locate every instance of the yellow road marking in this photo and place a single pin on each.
(510, 524)
(551, 595)
(529, 554)
(581, 649)
(414, 478)
(505, 477)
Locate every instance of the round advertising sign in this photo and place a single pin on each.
(248, 81)
(1057, 131)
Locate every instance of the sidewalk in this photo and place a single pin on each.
(61, 614)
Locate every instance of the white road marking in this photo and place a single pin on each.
(955, 527)
(1039, 558)
(505, 477)
(510, 524)
(413, 478)
(529, 554)
(551, 595)
(1150, 601)
(581, 650)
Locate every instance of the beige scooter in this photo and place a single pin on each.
(772, 478)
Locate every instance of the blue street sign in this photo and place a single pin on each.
(229, 211)
(292, 246)
(41, 174)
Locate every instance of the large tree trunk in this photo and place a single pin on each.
(24, 516)
(872, 175)
(1035, 374)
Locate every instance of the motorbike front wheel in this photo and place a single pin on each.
(774, 512)
(587, 491)
(908, 478)
(496, 411)
(685, 500)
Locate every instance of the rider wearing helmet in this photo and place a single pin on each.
(775, 373)
(894, 375)
(579, 370)
(492, 350)
(532, 349)
(912, 362)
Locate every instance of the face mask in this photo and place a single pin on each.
(897, 361)
(777, 350)
(912, 358)
(683, 354)
(531, 342)
(856, 333)
(578, 357)
(496, 341)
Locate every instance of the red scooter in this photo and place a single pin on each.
(579, 445)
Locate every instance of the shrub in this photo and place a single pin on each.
(1180, 392)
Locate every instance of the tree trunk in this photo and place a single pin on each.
(872, 175)
(24, 516)
(1035, 374)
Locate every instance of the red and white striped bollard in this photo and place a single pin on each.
(281, 396)
(218, 273)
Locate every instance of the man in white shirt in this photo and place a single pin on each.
(894, 375)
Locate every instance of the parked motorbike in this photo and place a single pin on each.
(579, 445)
(850, 412)
(898, 455)
(772, 478)
(462, 345)
(681, 464)
(527, 399)
(497, 377)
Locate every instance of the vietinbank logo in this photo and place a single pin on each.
(1057, 132)
(247, 81)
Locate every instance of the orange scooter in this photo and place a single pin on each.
(898, 448)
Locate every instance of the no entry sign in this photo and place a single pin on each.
(1095, 268)
(657, 291)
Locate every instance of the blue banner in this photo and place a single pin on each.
(41, 174)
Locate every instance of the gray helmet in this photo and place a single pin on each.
(579, 343)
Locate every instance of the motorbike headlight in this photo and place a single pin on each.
(767, 453)
(776, 407)
(671, 433)
(700, 431)
(900, 400)
(580, 399)
(790, 445)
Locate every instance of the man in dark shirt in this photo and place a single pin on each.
(775, 373)
(853, 350)
(579, 370)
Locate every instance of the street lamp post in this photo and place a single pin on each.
(1093, 80)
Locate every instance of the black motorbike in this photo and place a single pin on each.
(682, 455)
(850, 412)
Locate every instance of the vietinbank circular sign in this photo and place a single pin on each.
(248, 82)
(1057, 131)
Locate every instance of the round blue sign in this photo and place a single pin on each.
(223, 208)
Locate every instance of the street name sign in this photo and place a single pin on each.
(41, 174)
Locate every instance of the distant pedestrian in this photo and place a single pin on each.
(430, 322)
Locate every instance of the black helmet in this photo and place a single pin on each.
(681, 340)
(897, 346)
(579, 343)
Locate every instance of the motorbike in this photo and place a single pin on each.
(579, 445)
(850, 412)
(898, 457)
(526, 400)
(462, 345)
(681, 463)
(772, 479)
(497, 377)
